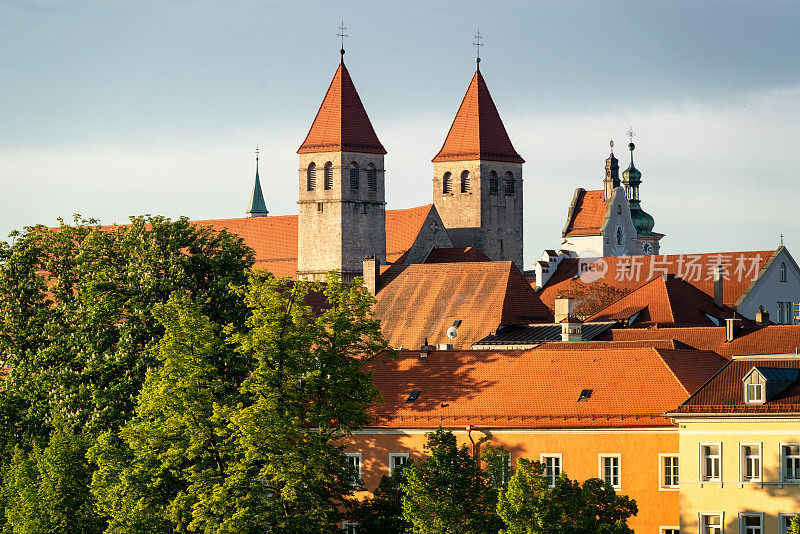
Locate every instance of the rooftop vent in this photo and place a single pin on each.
(413, 396)
(585, 394)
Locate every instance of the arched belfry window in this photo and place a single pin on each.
(783, 271)
(311, 177)
(619, 236)
(492, 183)
(372, 178)
(508, 183)
(447, 183)
(328, 175)
(465, 181)
(354, 176)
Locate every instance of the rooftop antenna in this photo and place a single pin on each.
(342, 35)
(478, 44)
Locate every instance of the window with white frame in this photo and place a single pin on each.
(710, 523)
(784, 522)
(669, 530)
(751, 524)
(552, 467)
(609, 469)
(755, 393)
(790, 462)
(669, 471)
(751, 462)
(396, 459)
(349, 528)
(354, 461)
(710, 462)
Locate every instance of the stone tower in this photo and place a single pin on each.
(341, 213)
(642, 221)
(611, 181)
(477, 179)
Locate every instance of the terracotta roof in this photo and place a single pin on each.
(477, 131)
(603, 345)
(455, 255)
(402, 229)
(423, 300)
(342, 122)
(631, 272)
(666, 300)
(724, 392)
(773, 339)
(588, 215)
(630, 387)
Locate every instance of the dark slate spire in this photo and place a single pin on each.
(258, 208)
(611, 180)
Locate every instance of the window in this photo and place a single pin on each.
(789, 313)
(349, 527)
(669, 471)
(552, 468)
(785, 521)
(710, 523)
(328, 176)
(508, 183)
(755, 393)
(669, 530)
(609, 469)
(493, 183)
(447, 183)
(751, 462)
(396, 460)
(465, 182)
(372, 178)
(354, 461)
(790, 462)
(311, 177)
(354, 176)
(783, 271)
(751, 524)
(780, 313)
(710, 468)
(619, 235)
(320, 207)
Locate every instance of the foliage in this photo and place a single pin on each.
(591, 298)
(528, 506)
(383, 513)
(794, 527)
(448, 492)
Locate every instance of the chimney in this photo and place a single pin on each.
(564, 306)
(372, 269)
(571, 330)
(762, 317)
(732, 327)
(719, 275)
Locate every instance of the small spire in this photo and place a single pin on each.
(258, 208)
(477, 44)
(781, 239)
(631, 134)
(612, 146)
(342, 35)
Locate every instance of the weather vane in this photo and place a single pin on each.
(612, 145)
(342, 29)
(630, 133)
(478, 44)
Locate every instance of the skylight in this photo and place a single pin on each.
(413, 396)
(585, 394)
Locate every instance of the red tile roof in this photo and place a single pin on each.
(422, 301)
(477, 131)
(724, 392)
(631, 272)
(402, 229)
(603, 345)
(588, 215)
(630, 387)
(342, 122)
(455, 255)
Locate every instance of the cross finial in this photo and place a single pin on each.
(781, 239)
(342, 35)
(478, 44)
(256, 153)
(630, 133)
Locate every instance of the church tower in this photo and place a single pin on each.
(477, 179)
(258, 208)
(611, 181)
(341, 212)
(642, 221)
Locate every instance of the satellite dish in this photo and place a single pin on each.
(452, 333)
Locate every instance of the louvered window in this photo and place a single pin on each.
(354, 176)
(372, 178)
(465, 182)
(447, 183)
(328, 175)
(311, 178)
(509, 183)
(492, 183)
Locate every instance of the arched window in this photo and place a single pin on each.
(354, 175)
(492, 183)
(372, 178)
(619, 235)
(328, 184)
(465, 181)
(447, 183)
(311, 177)
(783, 272)
(508, 183)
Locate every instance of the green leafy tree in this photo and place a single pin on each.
(528, 506)
(794, 526)
(383, 512)
(448, 492)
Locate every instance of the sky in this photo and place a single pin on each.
(115, 108)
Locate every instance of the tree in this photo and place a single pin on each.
(448, 492)
(528, 506)
(794, 526)
(383, 512)
(591, 298)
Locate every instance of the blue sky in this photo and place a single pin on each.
(113, 108)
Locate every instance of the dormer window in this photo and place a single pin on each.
(755, 394)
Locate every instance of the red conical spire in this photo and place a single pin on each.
(342, 123)
(477, 131)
